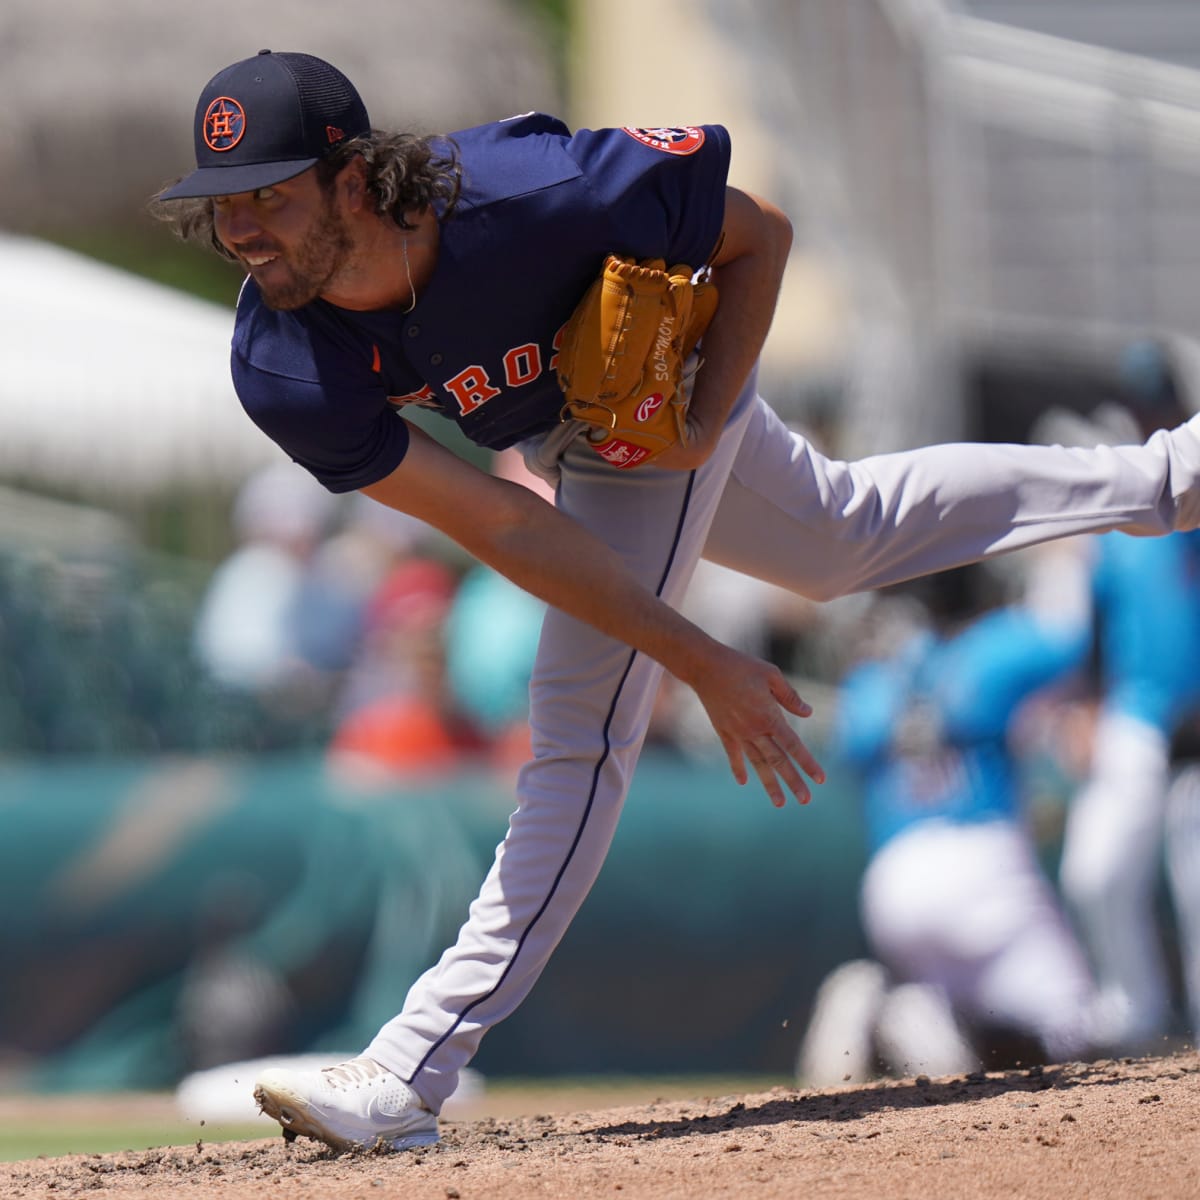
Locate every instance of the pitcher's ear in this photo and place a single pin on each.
(351, 183)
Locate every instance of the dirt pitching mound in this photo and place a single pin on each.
(1126, 1128)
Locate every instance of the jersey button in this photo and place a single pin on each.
(413, 330)
(436, 359)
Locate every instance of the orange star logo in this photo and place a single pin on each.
(224, 124)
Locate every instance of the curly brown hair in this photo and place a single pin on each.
(405, 173)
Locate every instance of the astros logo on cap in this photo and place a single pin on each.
(224, 124)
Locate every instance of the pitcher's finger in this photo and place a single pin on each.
(737, 764)
(789, 698)
(775, 760)
(796, 749)
(766, 774)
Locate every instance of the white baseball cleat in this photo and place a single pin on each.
(354, 1105)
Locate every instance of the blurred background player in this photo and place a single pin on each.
(972, 952)
(1183, 869)
(1146, 597)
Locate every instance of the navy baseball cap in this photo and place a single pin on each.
(266, 119)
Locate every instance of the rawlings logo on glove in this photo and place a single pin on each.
(621, 366)
(649, 407)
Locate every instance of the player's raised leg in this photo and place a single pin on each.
(825, 528)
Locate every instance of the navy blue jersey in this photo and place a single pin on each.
(540, 209)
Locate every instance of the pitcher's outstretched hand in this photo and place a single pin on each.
(747, 701)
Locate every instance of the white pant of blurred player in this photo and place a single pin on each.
(1183, 875)
(967, 932)
(1111, 863)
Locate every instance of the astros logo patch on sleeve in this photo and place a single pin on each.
(679, 139)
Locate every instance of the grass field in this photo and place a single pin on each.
(51, 1126)
(38, 1139)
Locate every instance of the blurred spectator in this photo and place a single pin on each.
(343, 573)
(246, 627)
(492, 633)
(1146, 597)
(973, 957)
(404, 718)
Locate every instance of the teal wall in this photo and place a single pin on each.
(139, 894)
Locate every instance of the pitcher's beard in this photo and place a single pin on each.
(323, 252)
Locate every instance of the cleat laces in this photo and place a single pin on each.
(353, 1073)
